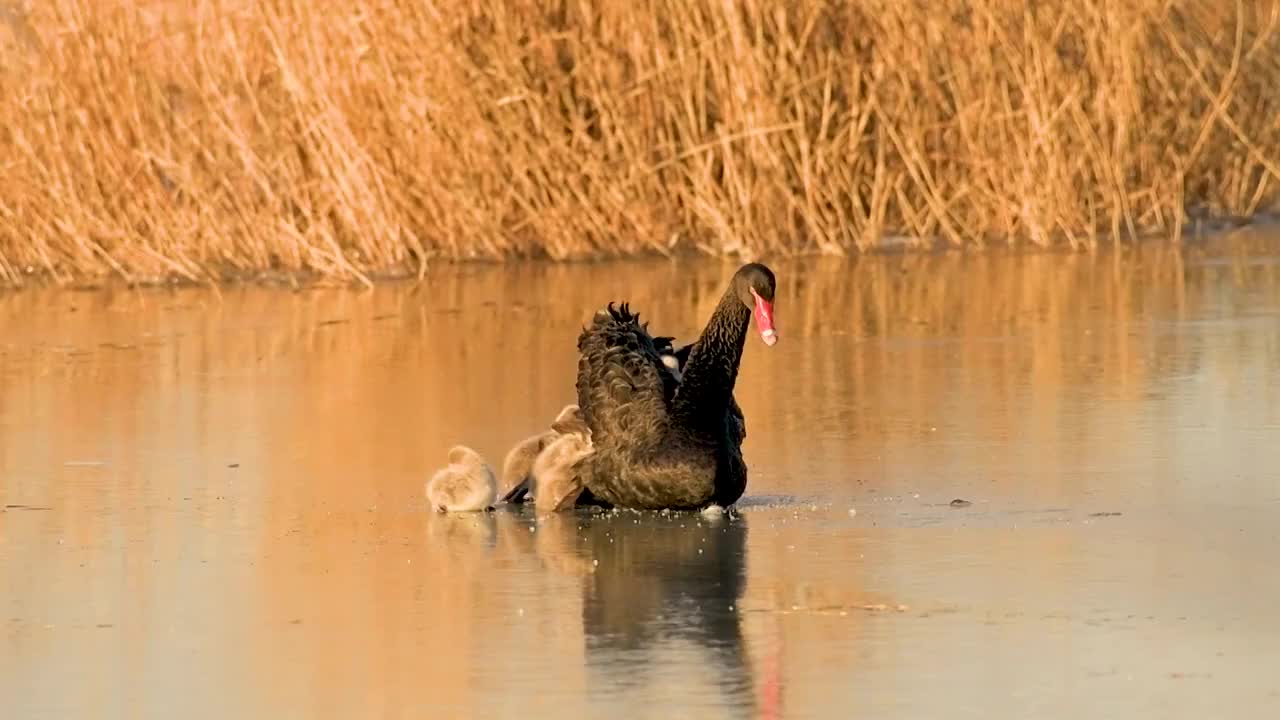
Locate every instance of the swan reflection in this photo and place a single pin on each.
(661, 600)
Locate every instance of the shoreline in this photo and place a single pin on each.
(1195, 235)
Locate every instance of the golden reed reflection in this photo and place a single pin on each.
(294, 431)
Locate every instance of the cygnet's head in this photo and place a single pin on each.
(570, 421)
(569, 414)
(463, 455)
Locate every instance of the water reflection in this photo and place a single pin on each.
(659, 580)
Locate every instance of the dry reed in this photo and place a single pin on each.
(350, 140)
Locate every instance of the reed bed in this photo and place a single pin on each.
(354, 140)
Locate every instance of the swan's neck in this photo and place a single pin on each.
(712, 369)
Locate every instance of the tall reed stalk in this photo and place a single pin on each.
(353, 139)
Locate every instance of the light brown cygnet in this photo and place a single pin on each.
(518, 464)
(555, 483)
(466, 484)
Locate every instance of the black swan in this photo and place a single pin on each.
(659, 442)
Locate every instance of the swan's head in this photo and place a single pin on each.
(754, 285)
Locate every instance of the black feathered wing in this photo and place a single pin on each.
(624, 391)
(624, 394)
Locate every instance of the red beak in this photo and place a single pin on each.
(764, 319)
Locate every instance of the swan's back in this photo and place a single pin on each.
(624, 391)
